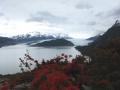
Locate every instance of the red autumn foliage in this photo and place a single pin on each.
(5, 86)
(56, 74)
(51, 77)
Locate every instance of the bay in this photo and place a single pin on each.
(9, 55)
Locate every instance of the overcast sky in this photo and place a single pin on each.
(78, 18)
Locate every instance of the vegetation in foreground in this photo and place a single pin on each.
(60, 73)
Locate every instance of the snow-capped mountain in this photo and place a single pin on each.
(35, 36)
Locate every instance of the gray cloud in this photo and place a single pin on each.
(112, 13)
(99, 14)
(115, 13)
(92, 23)
(83, 6)
(47, 17)
(1, 14)
(72, 17)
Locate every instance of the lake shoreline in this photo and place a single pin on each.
(12, 53)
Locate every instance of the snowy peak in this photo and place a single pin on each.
(33, 36)
(117, 23)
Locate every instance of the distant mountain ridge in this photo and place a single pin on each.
(35, 36)
(32, 37)
(56, 42)
(94, 37)
(110, 34)
(113, 32)
(104, 54)
(4, 41)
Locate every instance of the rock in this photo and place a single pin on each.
(23, 86)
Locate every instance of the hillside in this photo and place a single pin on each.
(56, 42)
(4, 41)
(94, 37)
(112, 33)
(105, 56)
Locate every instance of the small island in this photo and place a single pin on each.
(56, 42)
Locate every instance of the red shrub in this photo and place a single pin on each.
(5, 86)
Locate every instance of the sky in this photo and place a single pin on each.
(77, 18)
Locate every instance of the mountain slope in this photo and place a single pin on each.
(112, 33)
(56, 42)
(94, 37)
(4, 41)
(105, 57)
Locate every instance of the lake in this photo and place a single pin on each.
(9, 56)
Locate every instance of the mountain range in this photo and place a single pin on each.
(36, 36)
(4, 41)
(31, 37)
(112, 33)
(99, 40)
